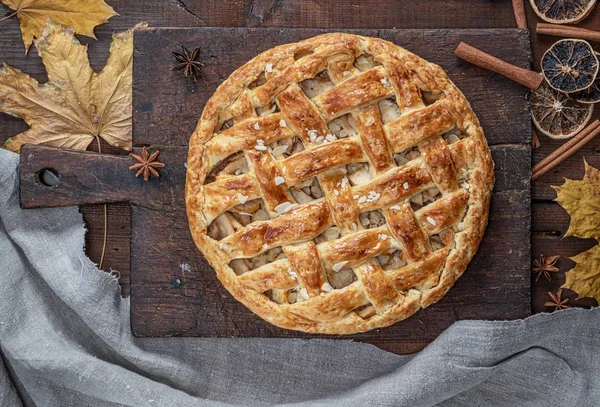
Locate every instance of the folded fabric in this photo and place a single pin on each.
(65, 340)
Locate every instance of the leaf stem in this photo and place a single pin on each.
(8, 16)
(105, 219)
(105, 237)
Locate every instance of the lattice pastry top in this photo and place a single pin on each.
(338, 184)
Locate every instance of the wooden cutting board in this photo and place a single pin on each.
(174, 292)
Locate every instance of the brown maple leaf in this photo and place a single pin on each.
(82, 16)
(77, 104)
(557, 301)
(545, 266)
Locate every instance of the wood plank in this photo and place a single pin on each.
(74, 177)
(117, 253)
(177, 294)
(85, 177)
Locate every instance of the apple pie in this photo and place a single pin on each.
(338, 184)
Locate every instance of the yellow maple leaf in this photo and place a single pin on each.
(82, 16)
(581, 199)
(76, 104)
(584, 278)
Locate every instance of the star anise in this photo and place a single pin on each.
(146, 163)
(188, 61)
(557, 301)
(545, 266)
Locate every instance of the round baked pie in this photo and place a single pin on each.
(338, 184)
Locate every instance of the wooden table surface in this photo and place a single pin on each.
(549, 220)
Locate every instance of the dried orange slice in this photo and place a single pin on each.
(570, 65)
(558, 115)
(562, 11)
(591, 94)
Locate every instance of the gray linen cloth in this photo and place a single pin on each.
(65, 341)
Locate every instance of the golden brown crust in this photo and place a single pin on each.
(430, 107)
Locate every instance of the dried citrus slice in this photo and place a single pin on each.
(556, 114)
(562, 11)
(591, 94)
(570, 65)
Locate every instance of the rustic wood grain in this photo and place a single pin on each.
(86, 177)
(174, 292)
(83, 177)
(116, 255)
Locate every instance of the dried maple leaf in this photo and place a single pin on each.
(76, 104)
(581, 199)
(584, 278)
(83, 16)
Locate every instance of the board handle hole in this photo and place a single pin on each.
(47, 177)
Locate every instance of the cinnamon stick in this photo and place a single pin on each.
(535, 140)
(566, 150)
(525, 77)
(567, 31)
(519, 10)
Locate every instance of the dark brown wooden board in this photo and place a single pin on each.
(175, 293)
